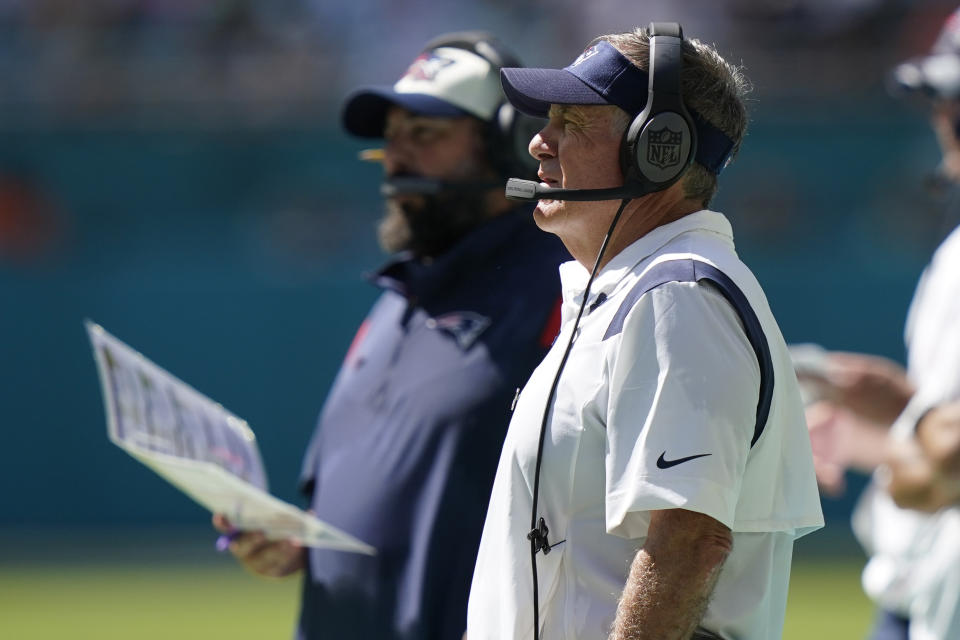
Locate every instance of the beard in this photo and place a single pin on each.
(428, 225)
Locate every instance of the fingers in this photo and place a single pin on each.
(271, 558)
(259, 554)
(822, 422)
(924, 473)
(938, 434)
(820, 416)
(221, 523)
(909, 478)
(872, 387)
(278, 560)
(246, 545)
(266, 557)
(828, 462)
(830, 477)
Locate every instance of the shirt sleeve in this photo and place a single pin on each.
(684, 387)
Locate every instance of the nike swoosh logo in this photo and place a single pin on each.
(663, 463)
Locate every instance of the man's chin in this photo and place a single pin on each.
(551, 208)
(545, 214)
(428, 225)
(393, 231)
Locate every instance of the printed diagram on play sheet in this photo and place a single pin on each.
(198, 446)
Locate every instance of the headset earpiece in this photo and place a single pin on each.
(659, 147)
(660, 142)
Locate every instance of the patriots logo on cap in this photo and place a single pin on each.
(427, 66)
(588, 53)
(464, 326)
(663, 148)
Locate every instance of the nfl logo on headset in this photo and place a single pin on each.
(663, 147)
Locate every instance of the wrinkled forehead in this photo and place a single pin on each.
(588, 114)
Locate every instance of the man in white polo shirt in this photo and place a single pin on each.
(657, 468)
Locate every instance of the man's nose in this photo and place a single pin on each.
(540, 147)
(396, 158)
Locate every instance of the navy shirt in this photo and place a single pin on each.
(407, 443)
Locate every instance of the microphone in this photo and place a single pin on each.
(409, 185)
(532, 191)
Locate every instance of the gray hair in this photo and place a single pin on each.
(710, 85)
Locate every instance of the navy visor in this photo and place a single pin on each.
(365, 111)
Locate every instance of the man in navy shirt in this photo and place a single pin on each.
(407, 443)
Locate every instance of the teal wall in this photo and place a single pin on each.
(234, 259)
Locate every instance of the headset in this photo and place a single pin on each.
(506, 134)
(664, 119)
(645, 170)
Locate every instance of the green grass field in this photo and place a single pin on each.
(214, 599)
(96, 602)
(826, 601)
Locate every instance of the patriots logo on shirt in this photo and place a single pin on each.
(464, 326)
(588, 53)
(427, 66)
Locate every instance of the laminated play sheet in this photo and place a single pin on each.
(198, 446)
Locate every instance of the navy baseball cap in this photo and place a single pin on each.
(444, 81)
(601, 75)
(937, 74)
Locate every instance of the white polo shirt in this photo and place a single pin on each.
(653, 378)
(914, 568)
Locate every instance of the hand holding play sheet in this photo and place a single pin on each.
(198, 446)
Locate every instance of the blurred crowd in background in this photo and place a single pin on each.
(175, 170)
(263, 65)
(256, 62)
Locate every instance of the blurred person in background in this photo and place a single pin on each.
(673, 471)
(405, 449)
(873, 415)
